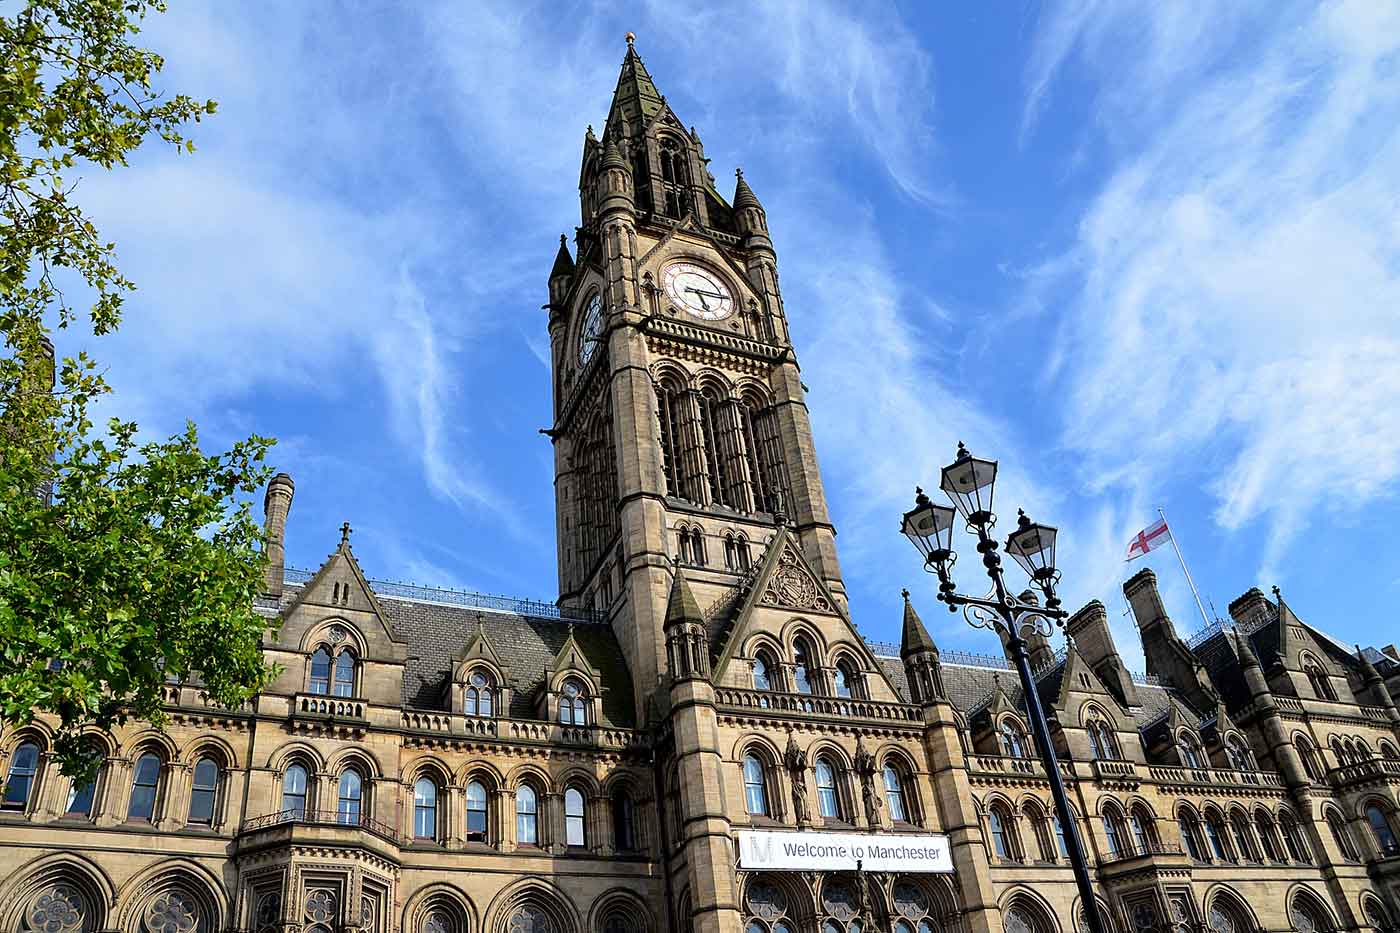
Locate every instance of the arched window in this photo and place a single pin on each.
(344, 683)
(683, 546)
(527, 828)
(1318, 679)
(1060, 842)
(294, 791)
(1003, 840)
(1102, 744)
(731, 552)
(476, 811)
(624, 821)
(1113, 833)
(1343, 837)
(802, 666)
(1268, 838)
(828, 801)
(763, 450)
(844, 677)
(320, 671)
(1144, 833)
(762, 671)
(1189, 749)
(425, 807)
(1244, 837)
(755, 786)
(204, 791)
(1190, 829)
(1215, 832)
(913, 907)
(145, 782)
(1381, 829)
(1293, 838)
(671, 410)
(1375, 915)
(24, 770)
(741, 551)
(573, 817)
(1388, 751)
(1012, 739)
(349, 797)
(894, 794)
(697, 548)
(1241, 759)
(573, 706)
(60, 907)
(767, 907)
(80, 798)
(1307, 917)
(481, 688)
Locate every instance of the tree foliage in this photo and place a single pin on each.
(123, 564)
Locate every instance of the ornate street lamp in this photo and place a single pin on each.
(969, 482)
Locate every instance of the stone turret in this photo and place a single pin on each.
(277, 505)
(1094, 642)
(922, 666)
(561, 275)
(687, 649)
(1270, 723)
(1168, 657)
(749, 215)
(1372, 680)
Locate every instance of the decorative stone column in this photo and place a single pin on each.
(504, 803)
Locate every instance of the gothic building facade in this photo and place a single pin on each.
(432, 762)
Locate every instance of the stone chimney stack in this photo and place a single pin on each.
(1094, 642)
(1252, 605)
(277, 504)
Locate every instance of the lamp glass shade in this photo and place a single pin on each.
(1033, 547)
(929, 526)
(968, 482)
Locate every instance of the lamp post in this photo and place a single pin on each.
(968, 482)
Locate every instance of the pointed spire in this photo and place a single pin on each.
(563, 262)
(612, 156)
(1285, 618)
(1368, 670)
(681, 606)
(743, 194)
(635, 100)
(915, 638)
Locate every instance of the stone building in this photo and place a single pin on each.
(430, 761)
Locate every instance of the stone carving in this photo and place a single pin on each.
(337, 634)
(839, 900)
(58, 909)
(870, 795)
(796, 762)
(792, 586)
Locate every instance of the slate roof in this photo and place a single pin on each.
(527, 645)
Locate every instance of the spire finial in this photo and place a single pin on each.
(1277, 593)
(345, 533)
(739, 173)
(631, 39)
(563, 239)
(905, 593)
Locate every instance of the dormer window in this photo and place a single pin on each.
(1012, 739)
(480, 694)
(573, 707)
(1318, 679)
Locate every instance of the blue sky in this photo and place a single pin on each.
(1144, 254)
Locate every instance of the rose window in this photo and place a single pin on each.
(58, 909)
(172, 912)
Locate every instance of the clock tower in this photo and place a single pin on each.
(681, 433)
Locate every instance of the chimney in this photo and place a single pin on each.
(1037, 645)
(1146, 602)
(1252, 605)
(276, 505)
(1094, 642)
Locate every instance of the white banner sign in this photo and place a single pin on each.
(842, 852)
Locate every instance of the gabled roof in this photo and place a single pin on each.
(340, 583)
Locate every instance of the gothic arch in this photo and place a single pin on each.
(532, 774)
(442, 898)
(296, 751)
(173, 896)
(358, 756)
(620, 911)
(776, 897)
(1309, 912)
(1105, 912)
(479, 770)
(1374, 912)
(1025, 911)
(149, 740)
(64, 872)
(544, 906)
(713, 380)
(798, 626)
(1226, 911)
(212, 746)
(428, 766)
(37, 731)
(319, 633)
(580, 777)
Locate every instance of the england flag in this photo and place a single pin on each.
(1154, 535)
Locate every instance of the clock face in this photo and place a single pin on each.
(698, 290)
(590, 332)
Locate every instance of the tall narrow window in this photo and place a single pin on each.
(683, 546)
(425, 809)
(573, 817)
(80, 798)
(294, 791)
(827, 802)
(1142, 832)
(1001, 843)
(350, 797)
(1267, 840)
(1380, 828)
(1293, 838)
(624, 821)
(741, 547)
(144, 783)
(526, 816)
(344, 674)
(1342, 835)
(572, 708)
(764, 452)
(1110, 831)
(697, 547)
(755, 789)
(1187, 825)
(762, 679)
(204, 791)
(1215, 832)
(320, 672)
(1244, 837)
(894, 795)
(476, 811)
(801, 669)
(720, 491)
(731, 557)
(1012, 742)
(845, 678)
(24, 767)
(1060, 841)
(480, 692)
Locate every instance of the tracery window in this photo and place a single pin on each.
(145, 782)
(320, 911)
(841, 905)
(335, 677)
(574, 834)
(267, 916)
(675, 178)
(204, 791)
(755, 786)
(476, 811)
(767, 907)
(1320, 682)
(480, 696)
(527, 831)
(671, 413)
(527, 918)
(349, 797)
(425, 806)
(24, 770)
(1011, 739)
(171, 912)
(1241, 759)
(1102, 744)
(1189, 749)
(294, 791)
(573, 706)
(1381, 829)
(828, 801)
(57, 908)
(912, 907)
(894, 794)
(764, 455)
(1307, 917)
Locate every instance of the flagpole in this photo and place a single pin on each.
(1171, 534)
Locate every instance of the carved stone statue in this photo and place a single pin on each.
(873, 802)
(796, 762)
